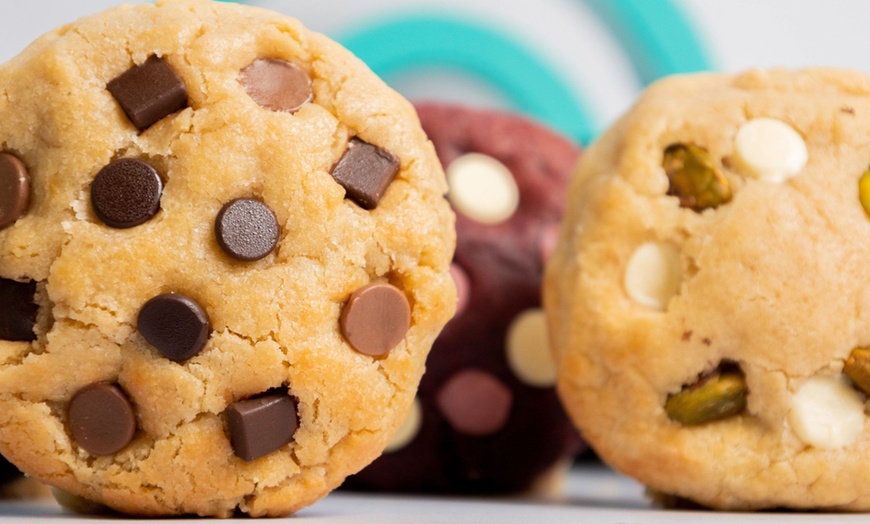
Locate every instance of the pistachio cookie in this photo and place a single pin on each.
(224, 253)
(707, 298)
(489, 389)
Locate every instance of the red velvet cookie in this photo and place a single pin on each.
(487, 419)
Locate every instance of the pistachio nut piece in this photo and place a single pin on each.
(720, 394)
(857, 368)
(694, 178)
(864, 190)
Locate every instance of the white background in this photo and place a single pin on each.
(739, 34)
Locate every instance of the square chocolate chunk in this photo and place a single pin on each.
(262, 424)
(149, 92)
(366, 171)
(17, 310)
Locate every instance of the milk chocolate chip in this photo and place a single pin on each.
(126, 193)
(376, 318)
(149, 92)
(475, 402)
(262, 424)
(17, 310)
(277, 85)
(366, 171)
(174, 324)
(101, 419)
(14, 189)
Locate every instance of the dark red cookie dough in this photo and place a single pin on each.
(515, 432)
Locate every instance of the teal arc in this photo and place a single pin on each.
(657, 37)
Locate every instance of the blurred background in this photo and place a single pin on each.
(574, 64)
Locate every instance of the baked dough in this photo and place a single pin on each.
(205, 199)
(707, 298)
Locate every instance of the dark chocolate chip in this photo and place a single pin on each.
(126, 193)
(246, 229)
(149, 92)
(17, 310)
(376, 318)
(366, 171)
(277, 85)
(174, 324)
(262, 424)
(475, 402)
(14, 189)
(101, 419)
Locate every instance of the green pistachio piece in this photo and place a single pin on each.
(694, 178)
(864, 190)
(857, 368)
(715, 396)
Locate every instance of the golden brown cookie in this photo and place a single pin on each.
(200, 202)
(707, 300)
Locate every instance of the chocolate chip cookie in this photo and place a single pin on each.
(706, 297)
(486, 418)
(224, 255)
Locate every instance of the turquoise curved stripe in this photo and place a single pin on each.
(657, 36)
(658, 39)
(401, 45)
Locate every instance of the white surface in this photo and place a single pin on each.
(593, 495)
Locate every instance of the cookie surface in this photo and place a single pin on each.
(706, 297)
(487, 419)
(177, 253)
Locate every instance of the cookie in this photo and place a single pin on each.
(487, 418)
(706, 298)
(201, 204)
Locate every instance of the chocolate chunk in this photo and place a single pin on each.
(262, 424)
(101, 419)
(14, 189)
(277, 85)
(475, 402)
(376, 318)
(366, 171)
(246, 229)
(174, 324)
(149, 92)
(17, 310)
(126, 193)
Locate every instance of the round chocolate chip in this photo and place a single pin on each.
(174, 324)
(126, 193)
(475, 403)
(376, 318)
(277, 85)
(14, 189)
(246, 229)
(101, 419)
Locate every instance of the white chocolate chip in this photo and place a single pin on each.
(654, 274)
(770, 149)
(827, 413)
(408, 430)
(482, 188)
(528, 349)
